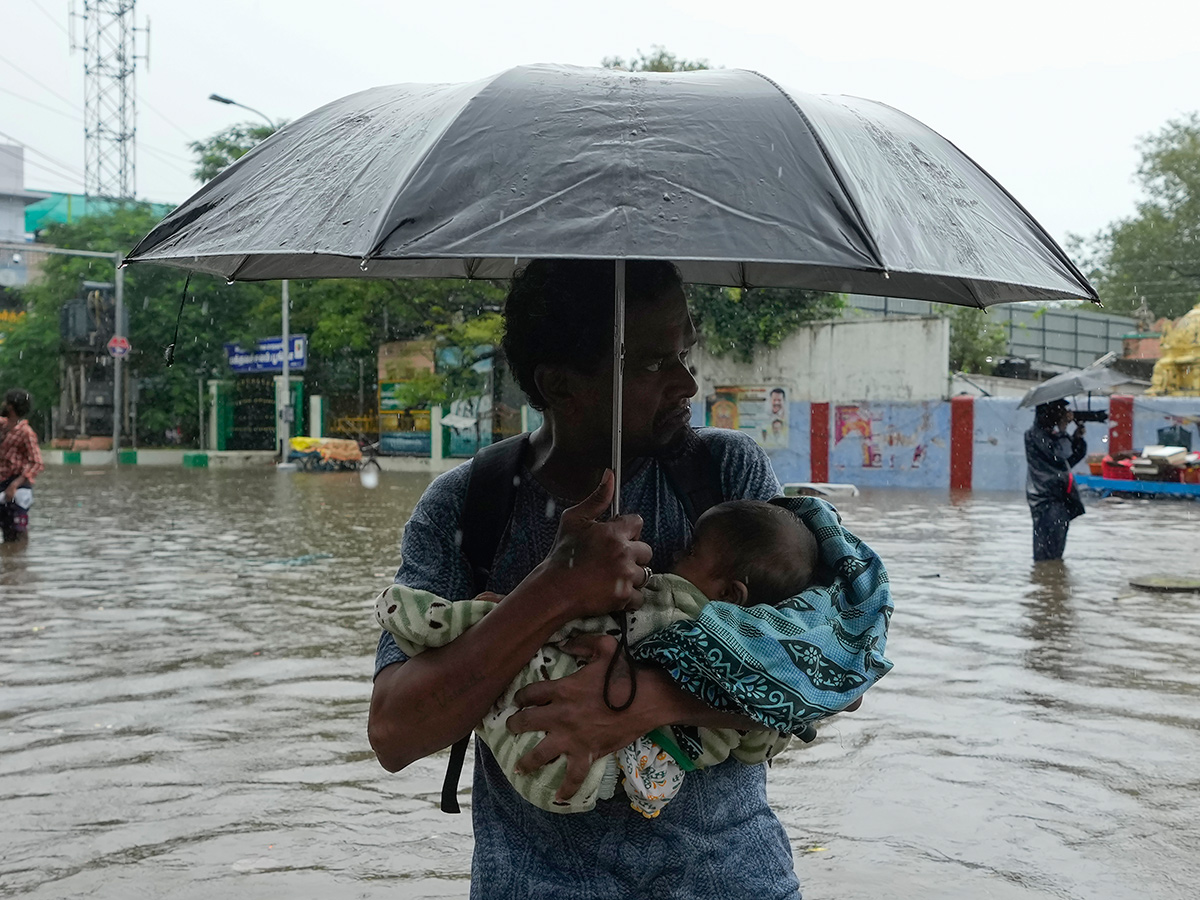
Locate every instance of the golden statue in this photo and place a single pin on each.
(1177, 372)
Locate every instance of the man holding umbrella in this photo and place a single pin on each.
(556, 562)
(1050, 487)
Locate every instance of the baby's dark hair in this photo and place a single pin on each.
(763, 546)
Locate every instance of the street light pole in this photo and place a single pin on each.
(118, 331)
(219, 99)
(283, 403)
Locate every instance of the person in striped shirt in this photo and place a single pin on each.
(20, 464)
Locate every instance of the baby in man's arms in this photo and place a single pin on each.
(745, 552)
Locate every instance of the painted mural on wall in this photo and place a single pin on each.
(889, 439)
(759, 410)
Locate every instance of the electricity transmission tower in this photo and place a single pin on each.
(110, 96)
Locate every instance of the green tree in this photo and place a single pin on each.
(1154, 254)
(348, 319)
(736, 321)
(975, 340)
(659, 59)
(218, 152)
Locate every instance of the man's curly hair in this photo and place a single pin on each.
(559, 312)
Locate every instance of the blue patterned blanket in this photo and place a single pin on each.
(788, 665)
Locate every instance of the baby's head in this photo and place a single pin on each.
(749, 552)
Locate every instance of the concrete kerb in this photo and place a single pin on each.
(223, 459)
(193, 459)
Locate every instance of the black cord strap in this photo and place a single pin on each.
(169, 353)
(622, 650)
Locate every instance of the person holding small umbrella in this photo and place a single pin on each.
(1049, 487)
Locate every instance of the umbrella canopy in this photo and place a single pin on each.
(732, 177)
(1068, 384)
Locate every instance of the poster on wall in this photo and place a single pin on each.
(759, 410)
(889, 436)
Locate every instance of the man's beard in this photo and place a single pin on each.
(677, 444)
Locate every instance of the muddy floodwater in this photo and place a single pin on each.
(186, 659)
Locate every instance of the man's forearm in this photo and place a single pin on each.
(425, 704)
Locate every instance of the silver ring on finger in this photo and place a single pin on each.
(648, 572)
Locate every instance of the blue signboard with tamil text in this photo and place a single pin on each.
(267, 355)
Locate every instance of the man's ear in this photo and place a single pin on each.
(735, 592)
(555, 384)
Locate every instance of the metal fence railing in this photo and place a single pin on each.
(1065, 337)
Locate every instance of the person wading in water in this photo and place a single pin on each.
(20, 464)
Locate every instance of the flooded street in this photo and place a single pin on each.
(185, 669)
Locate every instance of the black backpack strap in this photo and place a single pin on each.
(491, 493)
(487, 507)
(694, 476)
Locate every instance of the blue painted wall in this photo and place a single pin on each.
(907, 445)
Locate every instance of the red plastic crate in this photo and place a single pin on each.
(1116, 470)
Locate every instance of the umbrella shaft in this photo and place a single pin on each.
(618, 380)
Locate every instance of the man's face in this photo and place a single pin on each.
(658, 380)
(776, 403)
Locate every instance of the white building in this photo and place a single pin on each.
(13, 200)
(869, 359)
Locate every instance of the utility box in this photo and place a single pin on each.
(86, 323)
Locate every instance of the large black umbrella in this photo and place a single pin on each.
(724, 172)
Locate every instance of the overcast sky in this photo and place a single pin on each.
(1049, 96)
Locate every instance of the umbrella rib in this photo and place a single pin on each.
(233, 276)
(861, 222)
(969, 284)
